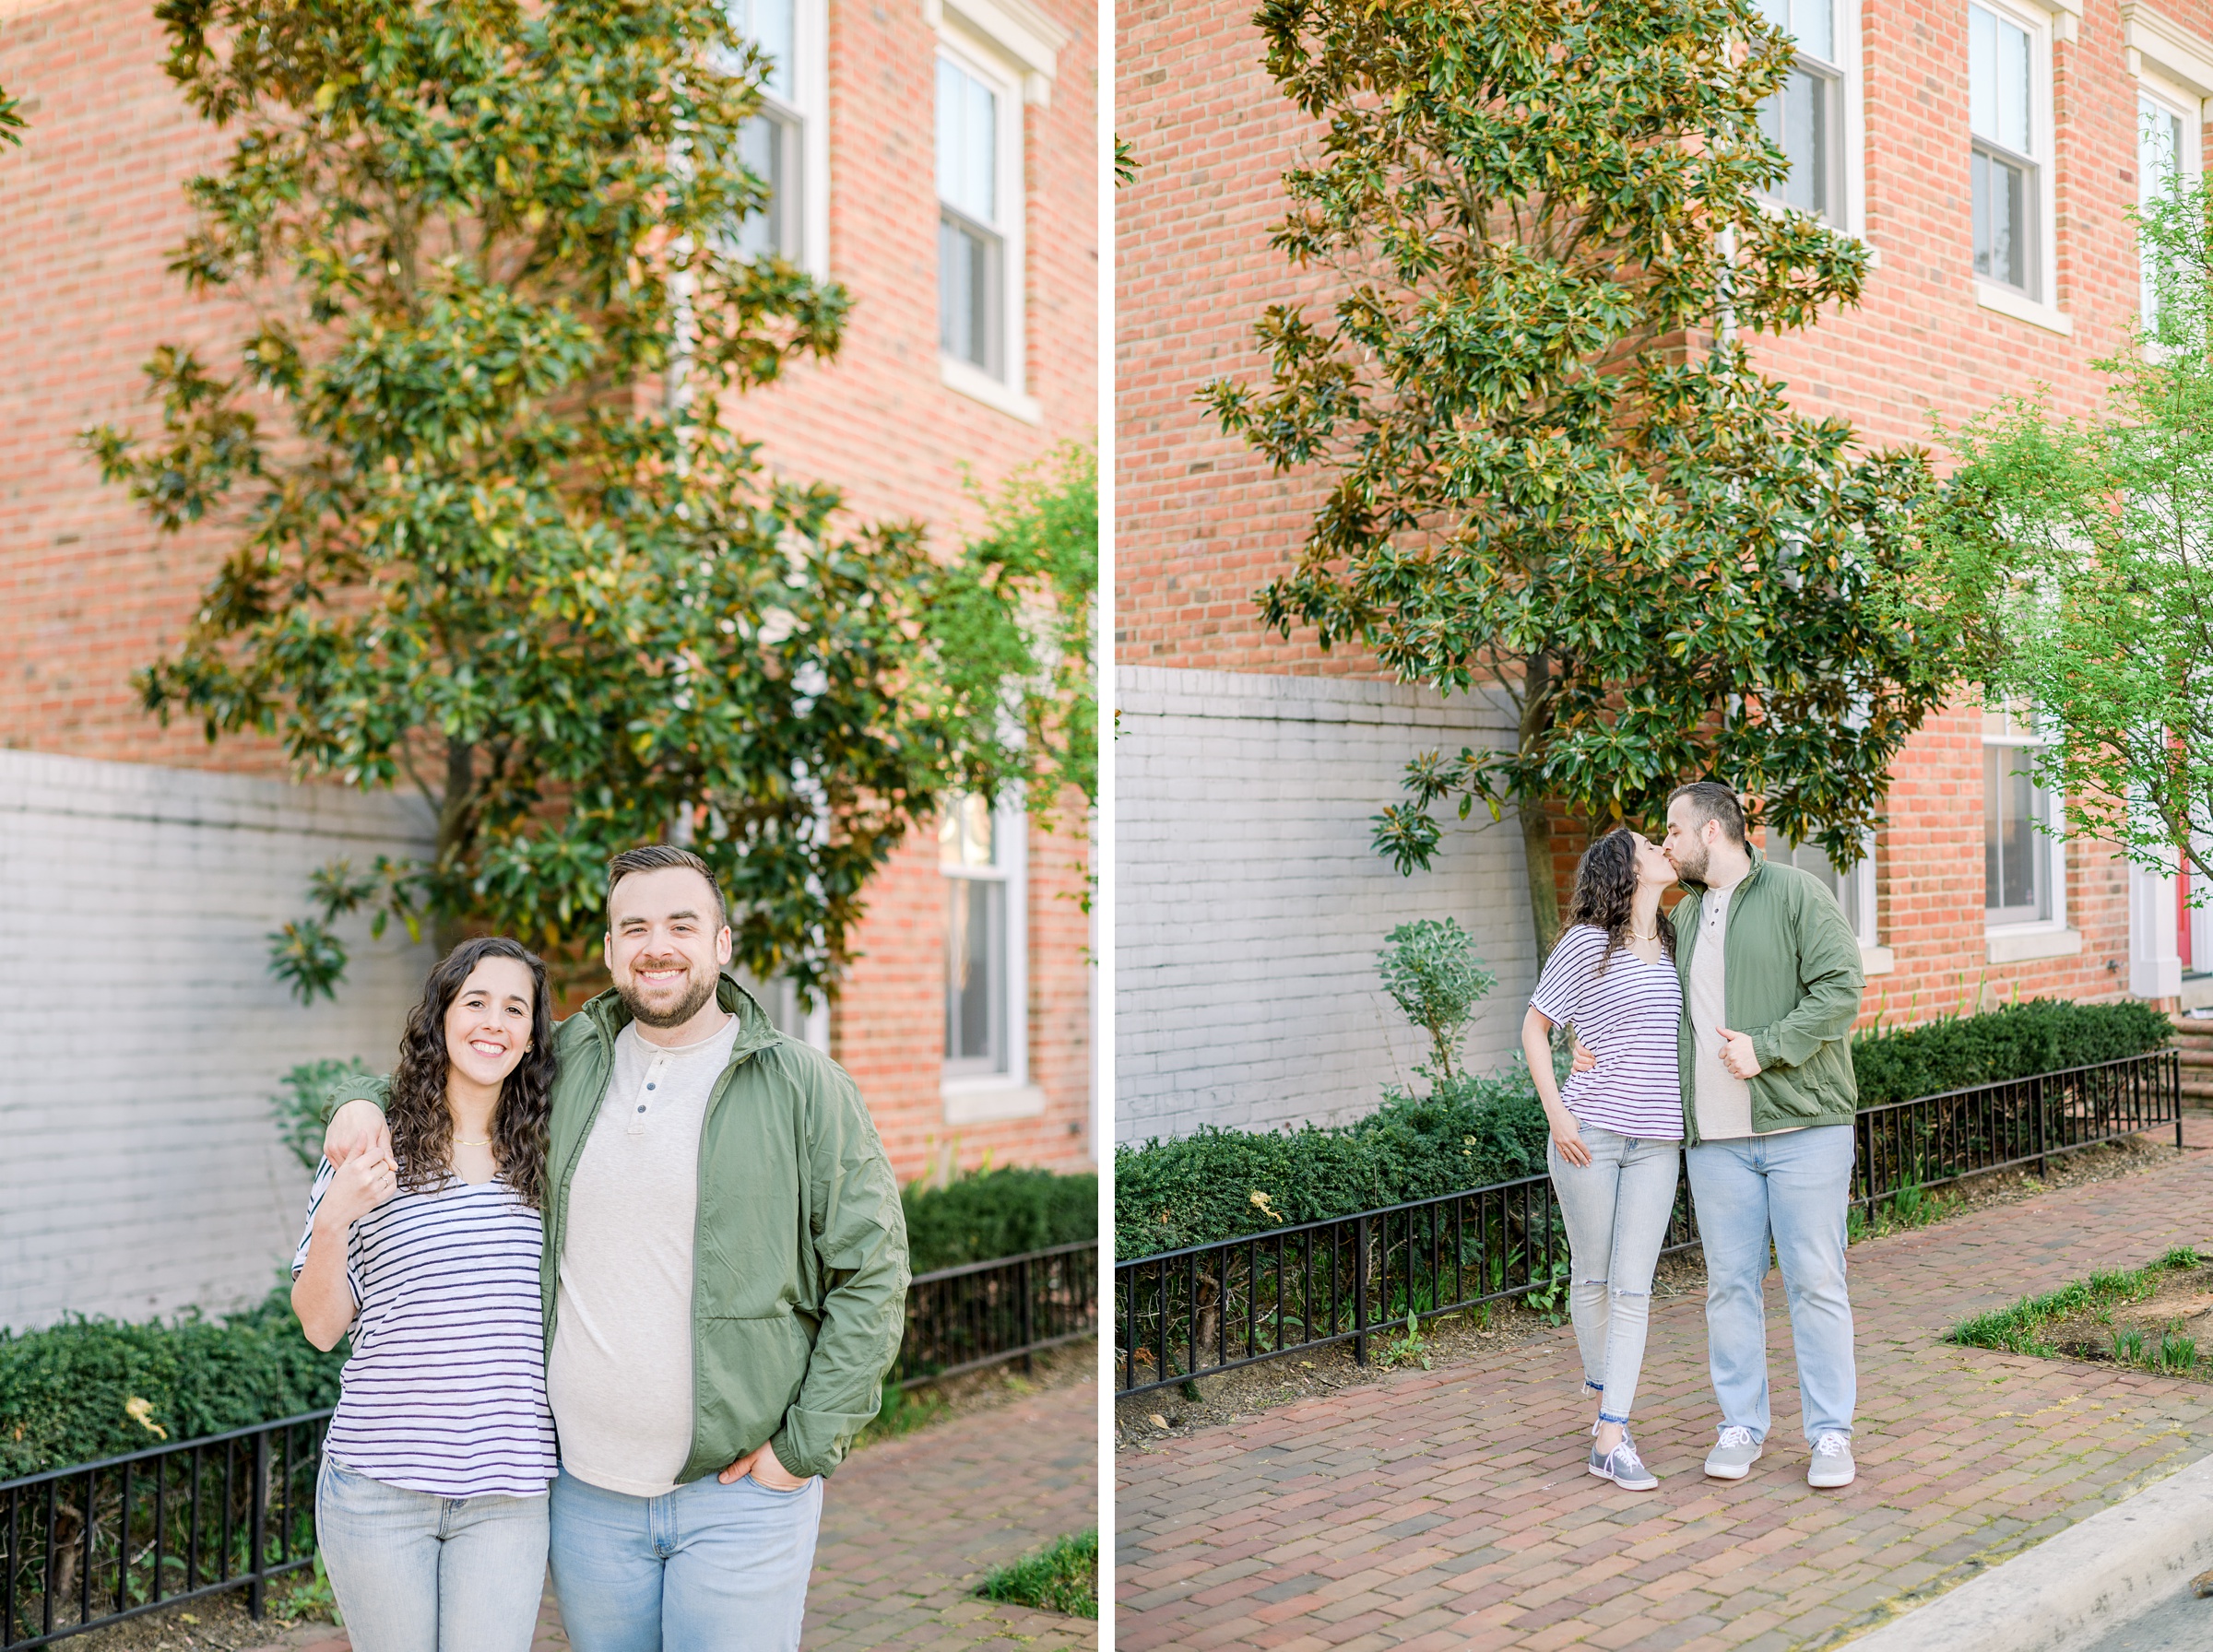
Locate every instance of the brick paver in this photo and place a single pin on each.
(910, 1525)
(1449, 1508)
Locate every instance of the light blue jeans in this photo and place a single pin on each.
(1790, 1189)
(419, 1573)
(705, 1568)
(1616, 1210)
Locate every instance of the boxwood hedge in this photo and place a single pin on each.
(999, 1212)
(1218, 1183)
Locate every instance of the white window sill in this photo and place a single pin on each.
(1877, 960)
(983, 1101)
(2022, 307)
(2044, 941)
(978, 385)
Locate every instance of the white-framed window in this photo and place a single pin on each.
(2009, 163)
(2169, 125)
(1854, 889)
(788, 141)
(1816, 116)
(983, 857)
(995, 57)
(2024, 858)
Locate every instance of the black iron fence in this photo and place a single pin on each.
(100, 1542)
(1012, 1307)
(1211, 1308)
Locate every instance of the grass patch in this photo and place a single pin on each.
(1063, 1578)
(1911, 1206)
(2020, 1329)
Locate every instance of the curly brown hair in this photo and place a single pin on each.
(422, 1130)
(1605, 893)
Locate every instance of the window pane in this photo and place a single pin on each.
(768, 149)
(1797, 119)
(2001, 214)
(1997, 56)
(2016, 855)
(965, 833)
(1844, 886)
(768, 24)
(968, 295)
(967, 143)
(974, 974)
(1815, 29)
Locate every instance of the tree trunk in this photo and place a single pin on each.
(1536, 826)
(447, 929)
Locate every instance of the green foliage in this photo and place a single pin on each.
(2038, 1036)
(1062, 1578)
(2020, 1329)
(72, 1393)
(1012, 623)
(1125, 162)
(12, 124)
(502, 545)
(1002, 1212)
(1536, 212)
(299, 1106)
(1218, 1183)
(1430, 970)
(2075, 559)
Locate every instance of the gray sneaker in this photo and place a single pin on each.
(1623, 1466)
(1832, 1465)
(1732, 1455)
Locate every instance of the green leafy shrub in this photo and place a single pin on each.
(1430, 970)
(2039, 1036)
(298, 1107)
(1002, 1212)
(1063, 1578)
(1219, 1184)
(93, 1389)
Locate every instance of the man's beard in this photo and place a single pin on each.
(1690, 863)
(697, 991)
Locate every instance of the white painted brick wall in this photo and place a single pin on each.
(143, 1034)
(1249, 907)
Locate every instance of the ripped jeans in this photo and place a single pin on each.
(1615, 1210)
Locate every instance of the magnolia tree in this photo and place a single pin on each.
(503, 546)
(1552, 468)
(2076, 556)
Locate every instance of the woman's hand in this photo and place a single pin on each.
(1566, 1139)
(363, 1183)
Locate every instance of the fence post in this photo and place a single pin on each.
(258, 1589)
(1029, 1329)
(1360, 1289)
(2043, 1162)
(2171, 1068)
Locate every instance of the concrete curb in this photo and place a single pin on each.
(2070, 1589)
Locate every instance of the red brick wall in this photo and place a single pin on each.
(91, 207)
(1200, 522)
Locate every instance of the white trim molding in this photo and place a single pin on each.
(2159, 48)
(2006, 301)
(1017, 29)
(972, 382)
(2021, 942)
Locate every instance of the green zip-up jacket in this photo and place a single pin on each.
(1791, 982)
(799, 1273)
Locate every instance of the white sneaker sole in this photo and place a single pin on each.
(1645, 1485)
(1726, 1472)
(1831, 1485)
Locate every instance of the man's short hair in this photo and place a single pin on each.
(1710, 800)
(659, 857)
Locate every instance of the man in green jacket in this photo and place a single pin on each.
(724, 1279)
(1771, 982)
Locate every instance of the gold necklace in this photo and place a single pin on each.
(486, 1142)
(1640, 935)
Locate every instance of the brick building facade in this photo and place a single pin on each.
(90, 208)
(1201, 522)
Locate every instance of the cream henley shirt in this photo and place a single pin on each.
(619, 1378)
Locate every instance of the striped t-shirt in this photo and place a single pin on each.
(445, 1389)
(1628, 1017)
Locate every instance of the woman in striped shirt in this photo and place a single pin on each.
(431, 1508)
(1617, 1129)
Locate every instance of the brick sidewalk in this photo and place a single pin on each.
(910, 1525)
(1449, 1509)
